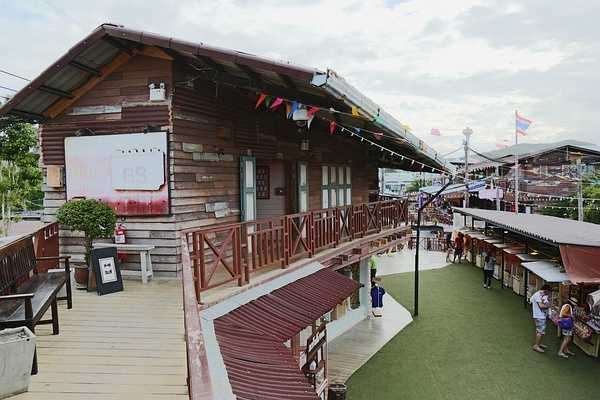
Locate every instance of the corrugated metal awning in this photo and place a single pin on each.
(552, 230)
(252, 337)
(548, 271)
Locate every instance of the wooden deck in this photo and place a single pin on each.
(127, 345)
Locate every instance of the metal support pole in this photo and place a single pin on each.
(497, 188)
(579, 192)
(516, 167)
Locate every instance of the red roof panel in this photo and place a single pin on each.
(252, 336)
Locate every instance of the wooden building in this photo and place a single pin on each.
(100, 87)
(544, 169)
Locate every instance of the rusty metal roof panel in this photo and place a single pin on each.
(252, 337)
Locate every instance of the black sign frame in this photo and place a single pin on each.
(105, 267)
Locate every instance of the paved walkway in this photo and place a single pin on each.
(351, 350)
(126, 345)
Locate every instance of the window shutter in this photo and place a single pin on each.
(302, 186)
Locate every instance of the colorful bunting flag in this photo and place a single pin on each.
(332, 126)
(355, 112)
(261, 98)
(278, 101)
(293, 108)
(378, 135)
(288, 110)
(268, 100)
(357, 130)
(312, 111)
(436, 132)
(310, 120)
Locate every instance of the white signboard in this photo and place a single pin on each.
(126, 171)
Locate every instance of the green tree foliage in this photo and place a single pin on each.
(591, 213)
(20, 175)
(416, 185)
(92, 217)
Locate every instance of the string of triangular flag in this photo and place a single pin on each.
(291, 106)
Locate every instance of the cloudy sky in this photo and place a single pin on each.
(432, 64)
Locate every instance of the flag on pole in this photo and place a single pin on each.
(436, 132)
(522, 124)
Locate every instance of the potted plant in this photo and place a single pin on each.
(92, 217)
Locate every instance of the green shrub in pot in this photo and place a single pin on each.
(92, 217)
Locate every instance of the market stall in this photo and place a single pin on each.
(495, 246)
(512, 265)
(532, 281)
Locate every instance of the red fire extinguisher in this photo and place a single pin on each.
(120, 238)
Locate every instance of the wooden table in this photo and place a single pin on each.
(143, 249)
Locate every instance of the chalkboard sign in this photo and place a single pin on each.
(106, 269)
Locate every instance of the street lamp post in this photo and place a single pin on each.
(467, 132)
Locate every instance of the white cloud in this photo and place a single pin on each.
(416, 58)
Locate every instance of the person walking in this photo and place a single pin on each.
(488, 270)
(540, 305)
(373, 267)
(459, 246)
(377, 292)
(565, 323)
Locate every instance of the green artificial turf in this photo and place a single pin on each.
(469, 343)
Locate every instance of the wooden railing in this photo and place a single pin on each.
(228, 253)
(428, 243)
(198, 375)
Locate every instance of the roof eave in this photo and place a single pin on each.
(336, 86)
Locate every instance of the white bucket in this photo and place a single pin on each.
(17, 346)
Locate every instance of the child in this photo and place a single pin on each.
(566, 325)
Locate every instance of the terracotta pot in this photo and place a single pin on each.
(81, 274)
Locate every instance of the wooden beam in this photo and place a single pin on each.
(55, 91)
(85, 68)
(27, 115)
(156, 52)
(63, 104)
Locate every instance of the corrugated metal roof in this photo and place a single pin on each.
(550, 229)
(252, 337)
(107, 41)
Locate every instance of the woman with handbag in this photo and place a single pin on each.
(565, 323)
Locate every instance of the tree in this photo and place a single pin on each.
(20, 174)
(92, 217)
(591, 211)
(415, 185)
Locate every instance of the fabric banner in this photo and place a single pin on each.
(581, 263)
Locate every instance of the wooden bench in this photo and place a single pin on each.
(26, 294)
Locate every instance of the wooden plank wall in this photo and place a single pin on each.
(211, 126)
(127, 89)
